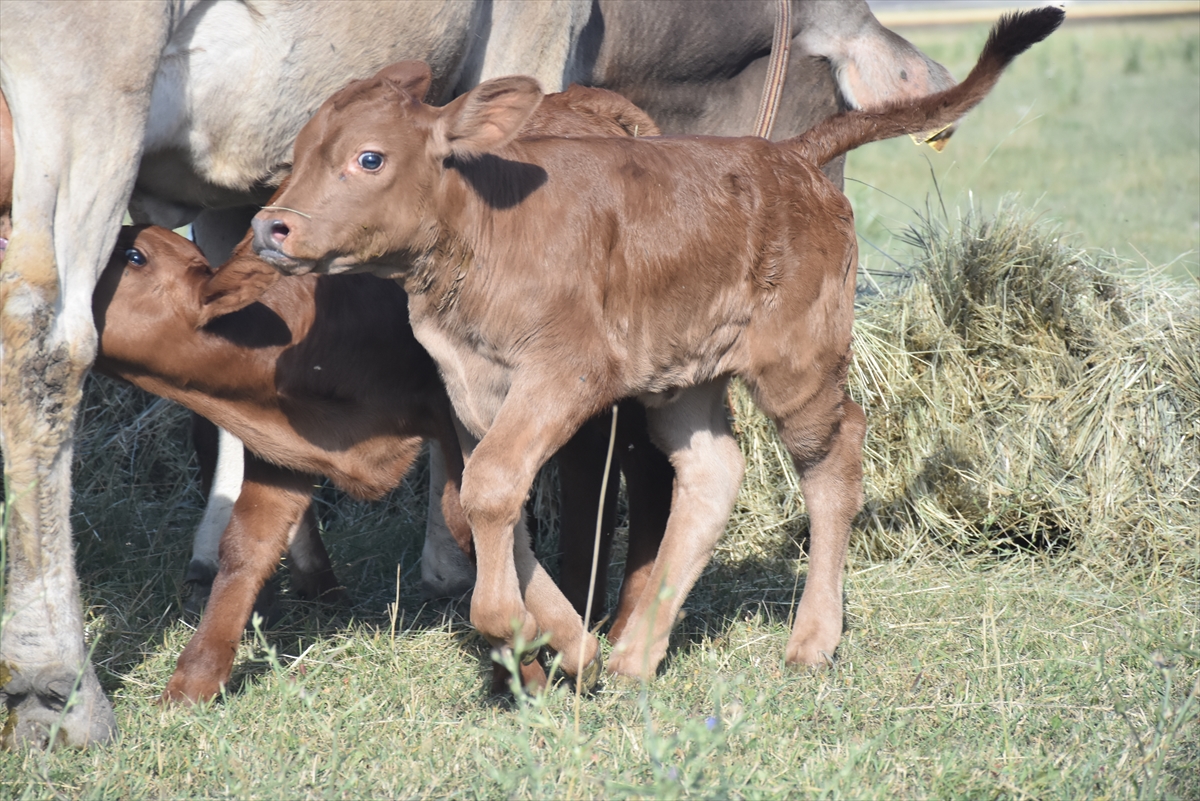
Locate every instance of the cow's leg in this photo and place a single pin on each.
(78, 143)
(46, 680)
(580, 474)
(268, 512)
(649, 479)
(446, 571)
(694, 432)
(221, 470)
(513, 593)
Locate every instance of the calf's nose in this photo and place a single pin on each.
(268, 234)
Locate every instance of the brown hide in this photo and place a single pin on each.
(550, 278)
(578, 111)
(316, 376)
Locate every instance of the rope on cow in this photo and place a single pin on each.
(776, 70)
(768, 108)
(285, 208)
(587, 613)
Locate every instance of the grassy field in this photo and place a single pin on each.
(980, 665)
(1023, 591)
(1098, 128)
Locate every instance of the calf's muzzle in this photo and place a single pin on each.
(270, 234)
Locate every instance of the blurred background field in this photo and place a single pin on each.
(1097, 128)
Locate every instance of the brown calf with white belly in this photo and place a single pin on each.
(550, 277)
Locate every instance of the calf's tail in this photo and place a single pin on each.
(1011, 36)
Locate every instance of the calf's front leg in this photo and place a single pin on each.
(267, 514)
(513, 593)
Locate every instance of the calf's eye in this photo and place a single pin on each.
(370, 161)
(135, 257)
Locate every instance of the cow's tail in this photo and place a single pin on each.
(1011, 36)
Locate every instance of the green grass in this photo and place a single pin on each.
(1098, 128)
(1021, 680)
(1025, 676)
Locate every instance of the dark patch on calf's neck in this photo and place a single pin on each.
(501, 183)
(256, 326)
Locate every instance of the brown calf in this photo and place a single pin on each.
(316, 379)
(550, 277)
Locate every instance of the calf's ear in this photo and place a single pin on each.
(413, 77)
(238, 283)
(486, 118)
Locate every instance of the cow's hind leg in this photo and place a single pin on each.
(824, 438)
(272, 504)
(694, 432)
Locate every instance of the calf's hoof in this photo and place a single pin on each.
(812, 646)
(45, 709)
(322, 589)
(184, 688)
(637, 657)
(628, 665)
(589, 677)
(531, 671)
(266, 605)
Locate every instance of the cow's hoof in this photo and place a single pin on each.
(184, 691)
(197, 586)
(621, 664)
(46, 709)
(812, 644)
(810, 658)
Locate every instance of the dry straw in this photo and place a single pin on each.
(1019, 394)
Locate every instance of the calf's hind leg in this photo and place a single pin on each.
(694, 432)
(825, 443)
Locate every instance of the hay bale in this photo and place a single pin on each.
(1019, 393)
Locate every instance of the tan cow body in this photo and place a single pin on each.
(550, 278)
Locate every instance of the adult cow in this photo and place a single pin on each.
(171, 107)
